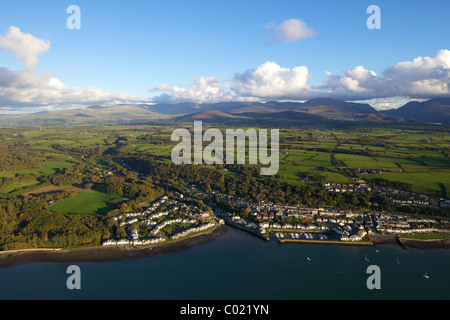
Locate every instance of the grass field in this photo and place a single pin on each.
(416, 156)
(20, 185)
(47, 167)
(432, 236)
(86, 202)
(422, 182)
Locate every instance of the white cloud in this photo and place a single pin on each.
(270, 81)
(203, 90)
(356, 83)
(267, 81)
(26, 89)
(25, 46)
(387, 103)
(290, 30)
(423, 77)
(420, 78)
(22, 88)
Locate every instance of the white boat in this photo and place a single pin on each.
(425, 275)
(367, 259)
(398, 262)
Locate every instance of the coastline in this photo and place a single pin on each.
(405, 243)
(106, 253)
(326, 242)
(376, 240)
(124, 252)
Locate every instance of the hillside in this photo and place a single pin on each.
(314, 111)
(435, 110)
(92, 115)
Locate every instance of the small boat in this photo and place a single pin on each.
(308, 258)
(365, 258)
(425, 275)
(398, 262)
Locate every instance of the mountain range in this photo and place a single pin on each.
(318, 110)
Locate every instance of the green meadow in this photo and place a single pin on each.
(46, 167)
(86, 202)
(412, 155)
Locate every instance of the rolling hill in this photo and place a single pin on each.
(435, 110)
(314, 111)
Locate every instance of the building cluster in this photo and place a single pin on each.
(192, 230)
(158, 220)
(112, 242)
(347, 187)
(280, 220)
(399, 197)
(408, 198)
(320, 223)
(164, 224)
(404, 224)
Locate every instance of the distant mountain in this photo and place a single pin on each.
(323, 106)
(314, 111)
(89, 115)
(214, 115)
(435, 110)
(330, 106)
(97, 107)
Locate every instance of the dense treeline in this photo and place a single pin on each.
(17, 160)
(28, 223)
(245, 182)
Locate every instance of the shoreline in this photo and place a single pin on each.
(125, 252)
(326, 242)
(106, 253)
(377, 240)
(406, 244)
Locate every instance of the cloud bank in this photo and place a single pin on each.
(267, 81)
(28, 90)
(421, 78)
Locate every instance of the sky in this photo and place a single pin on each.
(213, 51)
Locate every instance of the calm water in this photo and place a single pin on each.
(240, 266)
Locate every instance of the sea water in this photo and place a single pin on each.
(238, 265)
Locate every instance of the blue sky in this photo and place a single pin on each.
(135, 46)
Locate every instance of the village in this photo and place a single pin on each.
(283, 221)
(167, 220)
(400, 197)
(175, 217)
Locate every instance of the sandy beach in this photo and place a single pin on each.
(107, 253)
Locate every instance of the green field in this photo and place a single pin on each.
(436, 182)
(46, 167)
(413, 155)
(86, 202)
(432, 236)
(19, 185)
